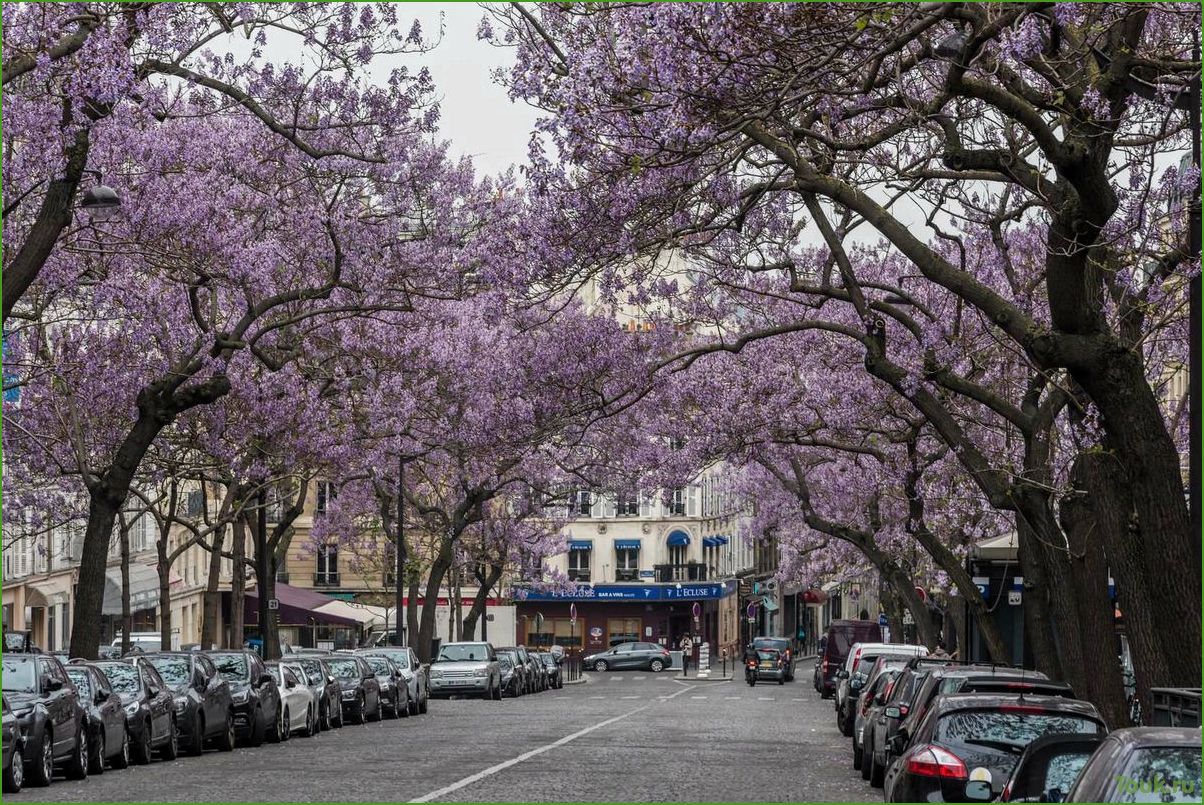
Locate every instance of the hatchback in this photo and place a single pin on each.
(648, 656)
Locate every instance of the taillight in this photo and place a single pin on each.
(928, 760)
(1006, 794)
(825, 665)
(903, 708)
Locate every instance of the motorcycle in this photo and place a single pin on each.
(750, 673)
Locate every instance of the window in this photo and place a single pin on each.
(325, 496)
(556, 632)
(582, 503)
(328, 566)
(677, 554)
(623, 630)
(579, 562)
(627, 504)
(677, 506)
(195, 504)
(627, 564)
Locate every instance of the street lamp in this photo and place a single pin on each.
(100, 201)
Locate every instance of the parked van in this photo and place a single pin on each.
(842, 636)
(145, 641)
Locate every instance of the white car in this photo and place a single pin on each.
(298, 712)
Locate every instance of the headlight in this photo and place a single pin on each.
(240, 696)
(385, 684)
(436, 673)
(480, 672)
(349, 694)
(409, 675)
(181, 703)
(131, 709)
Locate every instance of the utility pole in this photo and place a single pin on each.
(1194, 322)
(399, 634)
(262, 566)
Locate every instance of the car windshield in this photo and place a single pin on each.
(174, 670)
(298, 671)
(1161, 774)
(19, 676)
(79, 677)
(313, 668)
(549, 660)
(344, 669)
(380, 665)
(767, 654)
(1063, 769)
(768, 642)
(1010, 725)
(466, 651)
(124, 677)
(505, 661)
(233, 666)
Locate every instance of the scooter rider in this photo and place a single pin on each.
(750, 660)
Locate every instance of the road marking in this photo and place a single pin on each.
(732, 698)
(765, 698)
(492, 770)
(597, 697)
(698, 697)
(617, 678)
(798, 700)
(629, 697)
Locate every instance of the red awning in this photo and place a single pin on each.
(814, 596)
(297, 608)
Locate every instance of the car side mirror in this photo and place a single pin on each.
(1055, 795)
(153, 690)
(893, 712)
(290, 684)
(265, 679)
(856, 683)
(329, 680)
(978, 791)
(100, 697)
(50, 684)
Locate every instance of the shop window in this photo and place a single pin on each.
(622, 630)
(556, 631)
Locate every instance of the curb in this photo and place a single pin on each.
(581, 680)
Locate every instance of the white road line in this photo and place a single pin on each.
(597, 697)
(733, 698)
(798, 700)
(765, 698)
(617, 678)
(698, 697)
(492, 770)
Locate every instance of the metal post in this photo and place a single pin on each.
(399, 634)
(1194, 325)
(262, 567)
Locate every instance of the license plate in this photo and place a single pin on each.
(459, 682)
(767, 665)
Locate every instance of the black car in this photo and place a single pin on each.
(359, 691)
(47, 707)
(1142, 764)
(201, 697)
(394, 693)
(877, 687)
(879, 728)
(784, 646)
(254, 694)
(1048, 767)
(552, 667)
(514, 672)
(13, 743)
(522, 660)
(108, 738)
(322, 683)
(630, 655)
(149, 715)
(967, 744)
(416, 675)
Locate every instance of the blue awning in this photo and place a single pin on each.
(710, 542)
(678, 538)
(721, 540)
(581, 545)
(627, 545)
(769, 604)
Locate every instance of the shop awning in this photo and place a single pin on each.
(721, 540)
(627, 545)
(711, 542)
(365, 614)
(297, 607)
(769, 604)
(678, 538)
(814, 596)
(144, 589)
(581, 545)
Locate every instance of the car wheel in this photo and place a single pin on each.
(656, 666)
(412, 706)
(171, 749)
(14, 775)
(406, 708)
(142, 749)
(336, 717)
(781, 681)
(877, 771)
(77, 767)
(286, 725)
(600, 665)
(96, 753)
(867, 765)
(196, 742)
(272, 734)
(361, 710)
(378, 712)
(424, 704)
(227, 740)
(310, 723)
(43, 769)
(858, 760)
(122, 760)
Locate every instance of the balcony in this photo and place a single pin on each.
(579, 575)
(326, 579)
(632, 574)
(691, 571)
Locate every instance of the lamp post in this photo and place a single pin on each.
(400, 553)
(100, 201)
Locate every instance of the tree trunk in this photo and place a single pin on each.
(163, 567)
(434, 581)
(127, 616)
(479, 603)
(238, 585)
(213, 597)
(894, 612)
(1097, 631)
(458, 607)
(411, 616)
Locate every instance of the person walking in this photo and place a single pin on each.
(687, 649)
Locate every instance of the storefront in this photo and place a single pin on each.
(596, 617)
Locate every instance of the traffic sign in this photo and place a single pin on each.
(882, 619)
(697, 610)
(573, 613)
(752, 610)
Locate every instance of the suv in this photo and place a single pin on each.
(842, 636)
(254, 693)
(466, 668)
(853, 676)
(47, 707)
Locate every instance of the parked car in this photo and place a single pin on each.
(842, 636)
(530, 680)
(535, 668)
(784, 645)
(394, 693)
(879, 729)
(1048, 767)
(254, 695)
(466, 668)
(877, 686)
(201, 696)
(327, 692)
(771, 666)
(359, 691)
(297, 703)
(514, 672)
(1142, 764)
(630, 655)
(852, 676)
(417, 676)
(104, 716)
(13, 743)
(967, 744)
(46, 705)
(552, 668)
(143, 641)
(149, 712)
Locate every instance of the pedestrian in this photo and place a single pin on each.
(687, 648)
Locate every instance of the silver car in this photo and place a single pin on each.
(416, 674)
(466, 668)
